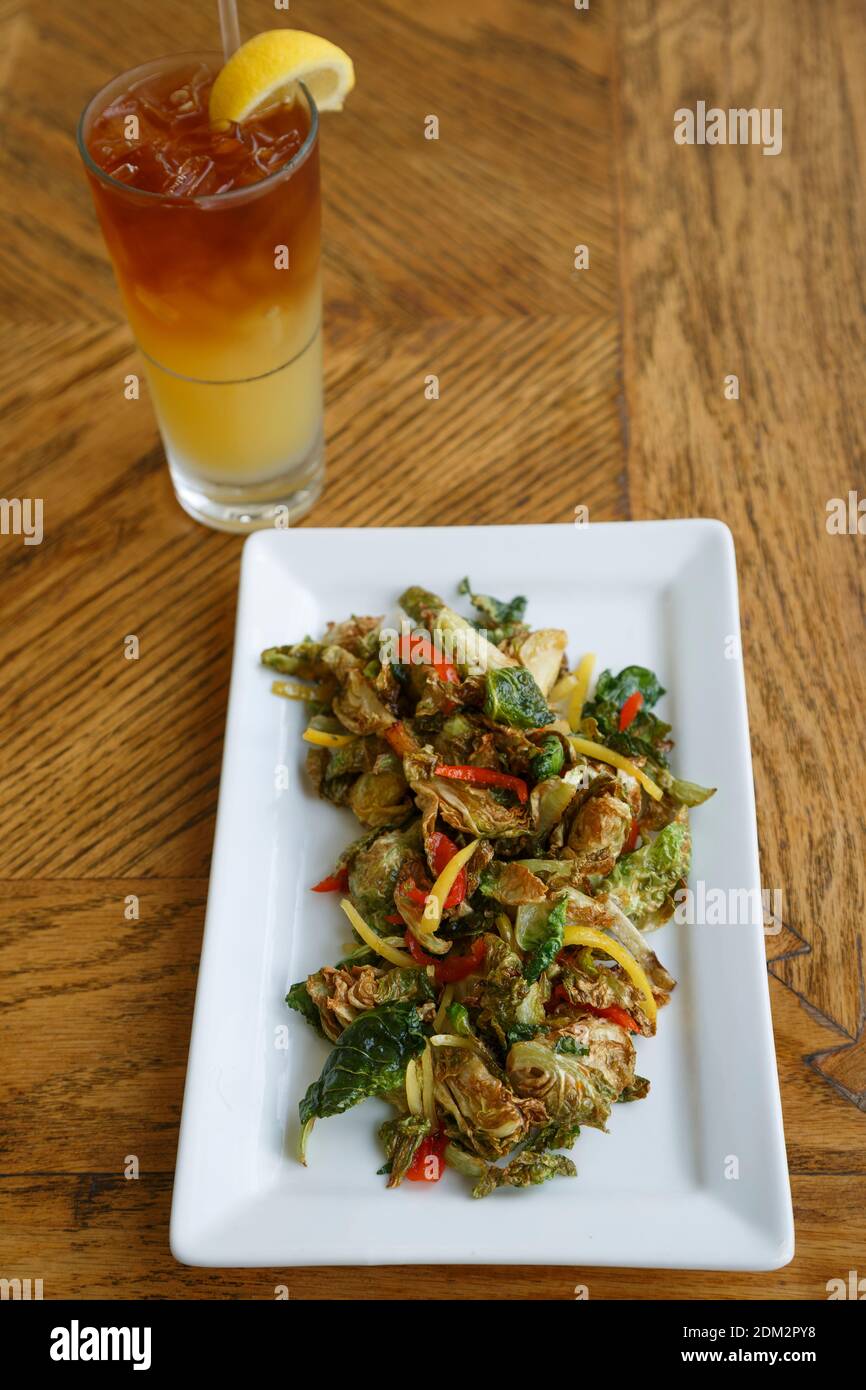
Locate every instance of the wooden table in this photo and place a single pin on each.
(560, 387)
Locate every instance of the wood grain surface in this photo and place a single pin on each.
(602, 387)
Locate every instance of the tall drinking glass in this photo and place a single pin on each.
(215, 240)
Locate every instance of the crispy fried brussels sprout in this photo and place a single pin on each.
(458, 1017)
(334, 997)
(585, 983)
(511, 884)
(359, 708)
(549, 760)
(480, 1108)
(296, 659)
(474, 810)
(507, 1002)
(598, 832)
(380, 798)
(375, 868)
(473, 651)
(576, 1087)
(548, 803)
(513, 697)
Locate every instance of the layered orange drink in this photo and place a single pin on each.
(213, 226)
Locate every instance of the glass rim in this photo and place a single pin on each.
(248, 190)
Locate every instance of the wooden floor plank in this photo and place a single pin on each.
(733, 263)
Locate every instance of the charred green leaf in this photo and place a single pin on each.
(499, 619)
(646, 735)
(298, 999)
(368, 1059)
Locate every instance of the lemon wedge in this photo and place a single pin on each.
(265, 68)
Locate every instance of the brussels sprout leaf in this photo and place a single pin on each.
(686, 793)
(528, 1169)
(402, 1139)
(543, 941)
(458, 1017)
(642, 881)
(500, 619)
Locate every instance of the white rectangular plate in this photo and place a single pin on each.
(694, 1176)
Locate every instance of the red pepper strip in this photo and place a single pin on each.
(415, 950)
(450, 969)
(395, 920)
(416, 894)
(629, 710)
(418, 650)
(443, 850)
(334, 883)
(616, 1015)
(429, 1160)
(559, 996)
(631, 838)
(484, 777)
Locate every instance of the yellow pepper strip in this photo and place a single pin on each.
(505, 929)
(563, 687)
(290, 690)
(414, 1099)
(427, 1096)
(450, 1040)
(432, 915)
(375, 942)
(578, 697)
(607, 755)
(598, 941)
(322, 739)
(441, 1018)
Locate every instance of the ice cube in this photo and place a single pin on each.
(190, 175)
(126, 173)
(157, 115)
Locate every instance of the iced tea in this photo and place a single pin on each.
(215, 239)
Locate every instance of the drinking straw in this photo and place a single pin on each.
(229, 26)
